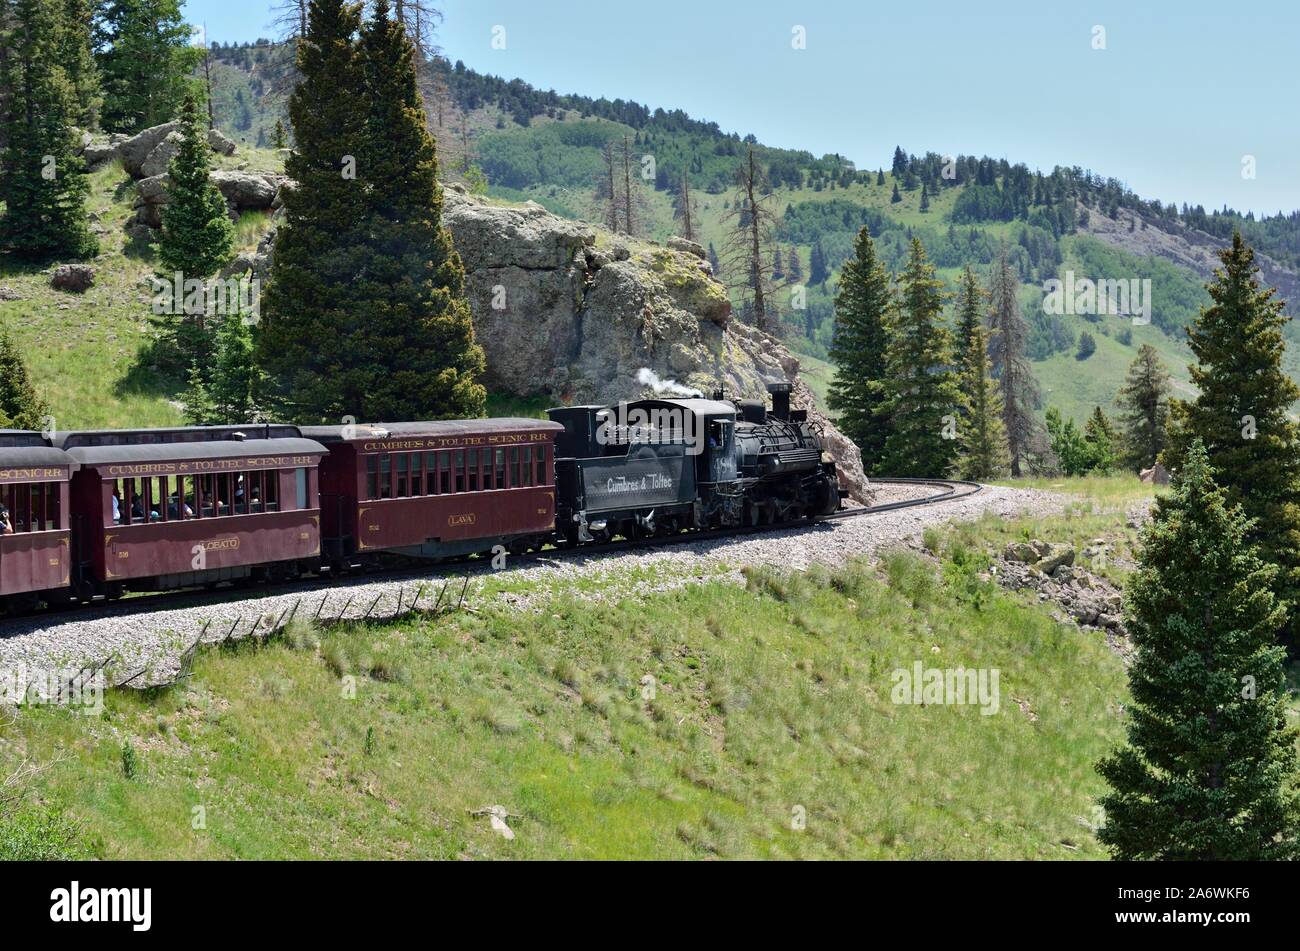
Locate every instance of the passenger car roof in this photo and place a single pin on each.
(91, 456)
(445, 427)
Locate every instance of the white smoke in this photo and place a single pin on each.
(647, 377)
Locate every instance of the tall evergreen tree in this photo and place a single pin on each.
(982, 435)
(383, 329)
(862, 305)
(1100, 436)
(1240, 414)
(1209, 770)
(818, 268)
(970, 317)
(983, 438)
(1144, 409)
(1011, 368)
(145, 60)
(920, 381)
(42, 179)
(20, 405)
(197, 235)
(79, 63)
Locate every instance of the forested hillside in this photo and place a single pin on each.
(562, 151)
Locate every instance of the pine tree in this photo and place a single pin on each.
(197, 235)
(79, 63)
(981, 433)
(382, 330)
(1072, 452)
(1240, 414)
(1209, 770)
(925, 197)
(1099, 434)
(307, 304)
(880, 176)
(920, 382)
(228, 393)
(862, 305)
(145, 60)
(1144, 409)
(277, 139)
(818, 270)
(20, 406)
(793, 269)
(1011, 367)
(895, 198)
(970, 319)
(42, 179)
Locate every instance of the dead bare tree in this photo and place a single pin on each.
(629, 220)
(606, 187)
(684, 208)
(751, 224)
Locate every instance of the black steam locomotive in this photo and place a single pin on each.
(658, 466)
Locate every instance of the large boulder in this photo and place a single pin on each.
(76, 278)
(247, 191)
(139, 148)
(160, 159)
(100, 151)
(135, 150)
(243, 191)
(220, 143)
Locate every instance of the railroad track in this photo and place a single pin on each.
(948, 490)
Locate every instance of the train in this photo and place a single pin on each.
(91, 515)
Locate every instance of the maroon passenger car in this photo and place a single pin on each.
(159, 509)
(436, 489)
(35, 554)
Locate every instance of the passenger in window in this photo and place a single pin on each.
(117, 509)
(174, 507)
(6, 526)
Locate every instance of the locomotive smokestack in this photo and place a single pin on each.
(780, 399)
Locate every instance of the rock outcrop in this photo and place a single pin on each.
(573, 314)
(576, 315)
(243, 191)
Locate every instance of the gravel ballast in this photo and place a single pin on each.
(147, 644)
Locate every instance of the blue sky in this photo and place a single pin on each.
(1171, 106)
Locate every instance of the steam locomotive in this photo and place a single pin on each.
(94, 514)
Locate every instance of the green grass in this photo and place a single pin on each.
(766, 698)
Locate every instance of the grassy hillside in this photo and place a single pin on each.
(765, 698)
